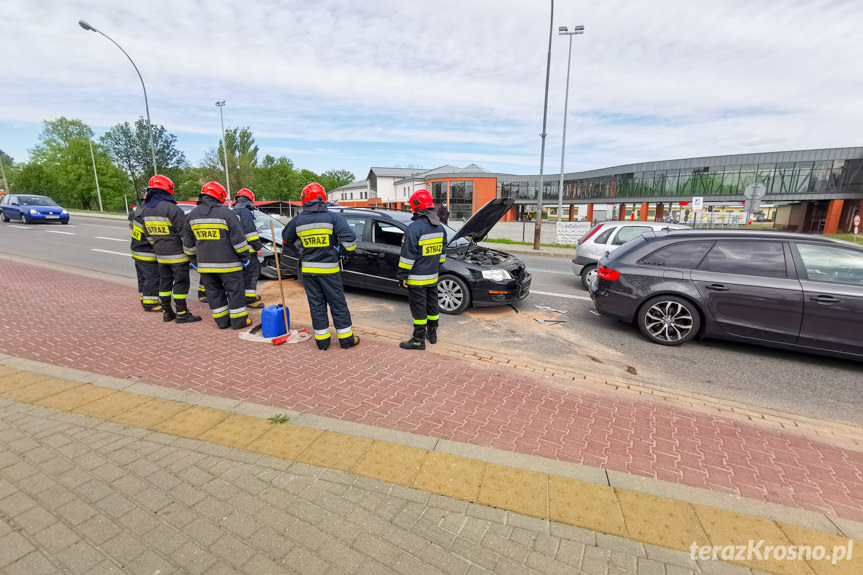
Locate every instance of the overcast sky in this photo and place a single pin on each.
(339, 84)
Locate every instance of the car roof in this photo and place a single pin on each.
(753, 235)
(402, 217)
(658, 225)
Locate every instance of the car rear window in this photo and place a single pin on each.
(680, 255)
(751, 258)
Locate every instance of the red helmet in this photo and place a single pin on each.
(420, 200)
(312, 192)
(247, 193)
(215, 190)
(161, 182)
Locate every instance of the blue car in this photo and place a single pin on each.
(30, 208)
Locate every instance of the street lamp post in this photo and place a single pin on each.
(537, 232)
(224, 147)
(95, 175)
(563, 31)
(87, 26)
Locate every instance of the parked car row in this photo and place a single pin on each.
(31, 208)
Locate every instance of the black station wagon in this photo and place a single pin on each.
(770, 288)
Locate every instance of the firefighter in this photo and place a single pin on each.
(146, 266)
(244, 208)
(163, 225)
(214, 239)
(421, 257)
(323, 234)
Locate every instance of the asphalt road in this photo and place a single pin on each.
(817, 387)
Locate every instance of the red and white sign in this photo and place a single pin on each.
(856, 225)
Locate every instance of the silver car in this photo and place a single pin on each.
(604, 238)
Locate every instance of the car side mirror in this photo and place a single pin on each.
(607, 253)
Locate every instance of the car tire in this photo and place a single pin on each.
(669, 320)
(64, 222)
(4, 217)
(24, 219)
(588, 274)
(453, 295)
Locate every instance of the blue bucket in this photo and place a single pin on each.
(273, 321)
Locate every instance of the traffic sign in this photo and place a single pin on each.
(697, 203)
(857, 221)
(755, 191)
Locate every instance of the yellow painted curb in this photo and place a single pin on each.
(636, 516)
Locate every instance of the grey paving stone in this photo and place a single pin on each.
(81, 557)
(35, 519)
(35, 562)
(55, 538)
(13, 546)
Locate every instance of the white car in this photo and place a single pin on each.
(604, 238)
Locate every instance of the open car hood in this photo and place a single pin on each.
(480, 224)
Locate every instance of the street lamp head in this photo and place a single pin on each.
(578, 29)
(86, 26)
(562, 29)
(220, 104)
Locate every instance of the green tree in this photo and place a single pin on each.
(276, 179)
(61, 167)
(130, 149)
(332, 179)
(188, 183)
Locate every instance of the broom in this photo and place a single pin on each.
(282, 338)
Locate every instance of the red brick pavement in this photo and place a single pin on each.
(71, 320)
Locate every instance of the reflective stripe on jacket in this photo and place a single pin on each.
(214, 239)
(422, 253)
(163, 225)
(321, 233)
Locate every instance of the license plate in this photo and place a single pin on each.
(53, 217)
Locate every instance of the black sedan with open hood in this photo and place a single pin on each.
(471, 275)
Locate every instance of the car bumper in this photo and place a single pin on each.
(501, 293)
(47, 217)
(612, 304)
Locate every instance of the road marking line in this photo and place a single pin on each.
(584, 297)
(112, 239)
(59, 232)
(107, 252)
(21, 227)
(549, 272)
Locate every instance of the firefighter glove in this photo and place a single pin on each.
(403, 284)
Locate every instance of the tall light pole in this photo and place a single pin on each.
(537, 232)
(224, 148)
(95, 175)
(3, 173)
(86, 26)
(563, 31)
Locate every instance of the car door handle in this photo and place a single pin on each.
(717, 287)
(825, 299)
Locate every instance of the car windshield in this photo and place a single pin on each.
(262, 222)
(37, 201)
(450, 234)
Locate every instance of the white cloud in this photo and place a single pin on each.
(463, 80)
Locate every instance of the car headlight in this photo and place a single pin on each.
(64, 212)
(496, 275)
(33, 212)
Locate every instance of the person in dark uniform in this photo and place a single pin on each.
(323, 234)
(163, 224)
(419, 264)
(215, 241)
(443, 213)
(146, 266)
(245, 208)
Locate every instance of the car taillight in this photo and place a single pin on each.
(607, 273)
(590, 233)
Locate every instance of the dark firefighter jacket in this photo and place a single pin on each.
(321, 232)
(243, 208)
(163, 224)
(141, 248)
(423, 250)
(213, 237)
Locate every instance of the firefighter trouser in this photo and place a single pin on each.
(174, 280)
(251, 273)
(424, 303)
(226, 298)
(323, 290)
(148, 281)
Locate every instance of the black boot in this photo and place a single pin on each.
(167, 311)
(417, 340)
(183, 313)
(349, 342)
(323, 344)
(431, 331)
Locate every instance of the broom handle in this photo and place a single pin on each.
(279, 274)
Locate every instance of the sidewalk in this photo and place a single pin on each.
(571, 456)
